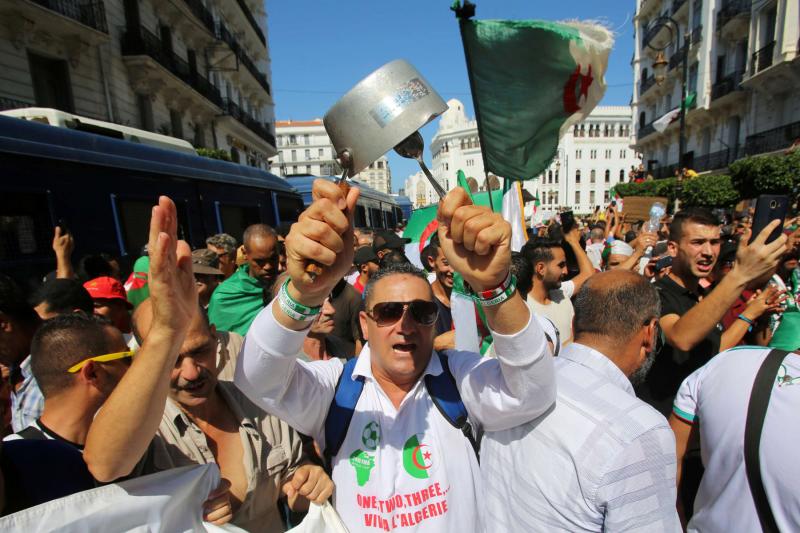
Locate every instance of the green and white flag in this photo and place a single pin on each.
(531, 80)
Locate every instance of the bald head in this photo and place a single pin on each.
(258, 231)
(143, 321)
(615, 304)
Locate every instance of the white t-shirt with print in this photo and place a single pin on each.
(404, 469)
(716, 396)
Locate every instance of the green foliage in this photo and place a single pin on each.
(709, 191)
(214, 154)
(766, 174)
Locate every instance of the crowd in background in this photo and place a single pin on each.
(67, 347)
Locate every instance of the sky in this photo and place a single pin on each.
(321, 48)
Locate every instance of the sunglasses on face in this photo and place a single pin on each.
(387, 313)
(100, 359)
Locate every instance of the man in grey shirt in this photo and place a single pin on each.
(601, 459)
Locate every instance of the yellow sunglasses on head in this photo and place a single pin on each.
(100, 359)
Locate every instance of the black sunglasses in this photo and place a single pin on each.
(387, 313)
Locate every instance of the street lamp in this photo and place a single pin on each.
(660, 72)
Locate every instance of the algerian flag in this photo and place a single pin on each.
(513, 214)
(531, 80)
(616, 197)
(671, 116)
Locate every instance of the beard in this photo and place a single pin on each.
(637, 378)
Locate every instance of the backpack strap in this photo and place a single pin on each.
(756, 413)
(32, 433)
(340, 413)
(444, 393)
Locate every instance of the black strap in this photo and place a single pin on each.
(32, 433)
(756, 413)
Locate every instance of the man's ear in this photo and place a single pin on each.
(362, 319)
(431, 262)
(539, 268)
(649, 341)
(90, 373)
(672, 248)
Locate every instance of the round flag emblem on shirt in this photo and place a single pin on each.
(418, 457)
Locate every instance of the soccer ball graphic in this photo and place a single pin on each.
(371, 435)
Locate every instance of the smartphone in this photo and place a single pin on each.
(769, 207)
(663, 263)
(63, 226)
(567, 221)
(613, 203)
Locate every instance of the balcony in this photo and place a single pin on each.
(91, 14)
(762, 59)
(735, 12)
(676, 58)
(677, 5)
(712, 161)
(645, 85)
(252, 21)
(727, 85)
(644, 131)
(772, 140)
(201, 13)
(226, 36)
(143, 44)
(261, 131)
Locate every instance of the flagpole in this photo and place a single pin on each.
(463, 14)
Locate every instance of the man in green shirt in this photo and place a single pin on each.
(238, 299)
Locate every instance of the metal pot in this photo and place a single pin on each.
(379, 112)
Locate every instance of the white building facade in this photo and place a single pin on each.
(743, 67)
(592, 157)
(193, 69)
(305, 148)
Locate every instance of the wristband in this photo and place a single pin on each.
(294, 309)
(500, 289)
(745, 319)
(498, 295)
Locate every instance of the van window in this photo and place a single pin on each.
(25, 225)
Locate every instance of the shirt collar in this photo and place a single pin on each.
(182, 422)
(591, 358)
(364, 364)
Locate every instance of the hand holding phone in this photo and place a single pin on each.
(769, 207)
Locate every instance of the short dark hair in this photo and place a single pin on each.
(14, 304)
(615, 310)
(62, 342)
(224, 241)
(258, 230)
(523, 271)
(95, 266)
(432, 251)
(393, 257)
(696, 215)
(63, 296)
(392, 270)
(539, 250)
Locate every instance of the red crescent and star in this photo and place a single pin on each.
(426, 455)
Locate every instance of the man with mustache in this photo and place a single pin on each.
(399, 462)
(601, 459)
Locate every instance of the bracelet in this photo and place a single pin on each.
(500, 289)
(509, 288)
(294, 309)
(750, 322)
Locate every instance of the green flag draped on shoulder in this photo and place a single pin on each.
(530, 81)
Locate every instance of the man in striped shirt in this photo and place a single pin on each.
(601, 459)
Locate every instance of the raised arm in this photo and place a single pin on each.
(63, 245)
(752, 262)
(586, 269)
(127, 422)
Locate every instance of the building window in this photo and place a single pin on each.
(307, 154)
(623, 154)
(51, 85)
(592, 175)
(176, 124)
(593, 154)
(621, 174)
(608, 154)
(145, 106)
(307, 139)
(446, 167)
(577, 197)
(591, 197)
(577, 176)
(577, 154)
(470, 162)
(608, 176)
(320, 153)
(294, 155)
(549, 176)
(294, 169)
(583, 131)
(380, 164)
(556, 175)
(556, 197)
(279, 138)
(199, 136)
(606, 197)
(308, 169)
(292, 139)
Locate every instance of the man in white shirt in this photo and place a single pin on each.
(713, 401)
(601, 459)
(401, 465)
(549, 296)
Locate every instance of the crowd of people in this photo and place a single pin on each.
(608, 389)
